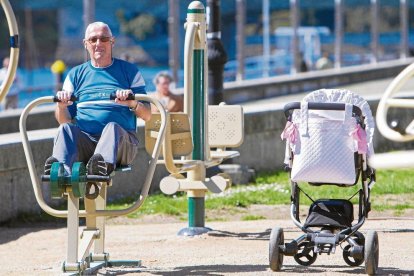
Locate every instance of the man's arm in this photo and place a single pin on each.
(142, 110)
(62, 114)
(138, 108)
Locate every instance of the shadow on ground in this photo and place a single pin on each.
(247, 235)
(8, 234)
(217, 270)
(14, 229)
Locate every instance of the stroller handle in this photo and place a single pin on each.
(319, 106)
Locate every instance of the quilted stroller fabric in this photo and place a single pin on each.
(323, 143)
(346, 96)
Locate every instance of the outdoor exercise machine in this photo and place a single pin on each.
(397, 159)
(192, 135)
(14, 49)
(81, 258)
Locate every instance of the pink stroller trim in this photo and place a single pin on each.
(360, 136)
(290, 133)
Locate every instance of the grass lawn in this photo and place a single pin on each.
(392, 191)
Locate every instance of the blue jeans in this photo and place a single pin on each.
(116, 145)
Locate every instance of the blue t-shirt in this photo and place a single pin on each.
(93, 86)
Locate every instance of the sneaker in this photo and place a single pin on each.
(48, 164)
(96, 165)
(109, 168)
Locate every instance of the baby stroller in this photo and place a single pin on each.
(328, 139)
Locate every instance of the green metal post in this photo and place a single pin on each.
(196, 14)
(196, 211)
(198, 104)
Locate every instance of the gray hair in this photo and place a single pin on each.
(99, 25)
(162, 74)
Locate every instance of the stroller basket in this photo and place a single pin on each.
(336, 213)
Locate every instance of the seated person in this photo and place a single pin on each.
(170, 101)
(94, 129)
(324, 62)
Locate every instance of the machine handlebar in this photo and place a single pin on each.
(112, 97)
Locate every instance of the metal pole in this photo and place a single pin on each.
(217, 56)
(240, 37)
(294, 22)
(374, 31)
(404, 28)
(14, 49)
(73, 231)
(88, 16)
(338, 33)
(173, 38)
(196, 198)
(266, 38)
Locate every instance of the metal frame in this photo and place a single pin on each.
(196, 107)
(322, 238)
(78, 256)
(387, 101)
(402, 159)
(14, 49)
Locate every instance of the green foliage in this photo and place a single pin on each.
(394, 182)
(155, 204)
(281, 177)
(244, 196)
(139, 26)
(252, 217)
(273, 188)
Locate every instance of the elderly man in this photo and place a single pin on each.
(94, 129)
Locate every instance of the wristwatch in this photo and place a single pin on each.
(133, 109)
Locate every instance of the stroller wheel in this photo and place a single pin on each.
(371, 253)
(351, 261)
(305, 256)
(275, 252)
(356, 259)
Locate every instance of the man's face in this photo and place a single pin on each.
(99, 45)
(163, 86)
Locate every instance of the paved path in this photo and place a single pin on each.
(233, 248)
(369, 90)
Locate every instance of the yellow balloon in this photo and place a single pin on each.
(58, 67)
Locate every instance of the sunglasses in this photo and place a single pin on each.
(94, 39)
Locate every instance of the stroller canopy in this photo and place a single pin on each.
(346, 96)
